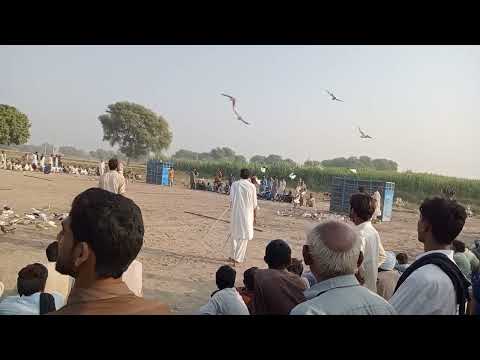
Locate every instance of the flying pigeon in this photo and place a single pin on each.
(334, 98)
(292, 176)
(353, 170)
(263, 169)
(363, 135)
(234, 101)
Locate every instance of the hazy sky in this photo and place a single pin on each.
(420, 103)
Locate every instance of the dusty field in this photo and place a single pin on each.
(179, 260)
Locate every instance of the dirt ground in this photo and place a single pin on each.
(180, 255)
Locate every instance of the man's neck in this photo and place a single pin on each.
(432, 245)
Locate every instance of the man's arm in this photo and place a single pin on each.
(123, 186)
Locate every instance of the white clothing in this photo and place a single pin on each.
(243, 201)
(35, 160)
(2, 287)
(427, 291)
(101, 168)
(42, 162)
(373, 253)
(27, 305)
(133, 278)
(225, 302)
(378, 211)
(3, 161)
(112, 181)
(57, 282)
(56, 161)
(50, 161)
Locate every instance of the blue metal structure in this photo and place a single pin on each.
(343, 187)
(157, 172)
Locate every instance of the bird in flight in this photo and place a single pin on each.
(234, 101)
(353, 170)
(292, 176)
(334, 98)
(363, 135)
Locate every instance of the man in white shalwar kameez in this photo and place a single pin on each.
(378, 198)
(101, 167)
(243, 205)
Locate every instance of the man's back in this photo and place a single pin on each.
(225, 302)
(26, 305)
(112, 181)
(373, 253)
(276, 292)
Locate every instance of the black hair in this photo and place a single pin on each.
(111, 225)
(278, 254)
(402, 258)
(249, 278)
(458, 246)
(296, 267)
(113, 164)
(32, 279)
(225, 277)
(52, 251)
(363, 205)
(445, 216)
(244, 173)
(361, 189)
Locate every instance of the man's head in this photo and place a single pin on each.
(278, 254)
(440, 222)
(244, 173)
(362, 207)
(402, 258)
(458, 246)
(333, 249)
(32, 279)
(249, 278)
(361, 189)
(225, 277)
(296, 267)
(102, 235)
(113, 164)
(52, 251)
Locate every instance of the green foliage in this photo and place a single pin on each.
(136, 129)
(101, 154)
(219, 153)
(363, 162)
(14, 126)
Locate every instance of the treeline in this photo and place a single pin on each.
(362, 162)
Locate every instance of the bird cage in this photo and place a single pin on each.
(157, 171)
(343, 187)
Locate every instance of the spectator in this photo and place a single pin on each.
(56, 282)
(474, 261)
(296, 267)
(402, 262)
(433, 284)
(113, 180)
(333, 252)
(226, 300)
(461, 259)
(31, 298)
(362, 207)
(99, 240)
(247, 292)
(277, 291)
(387, 276)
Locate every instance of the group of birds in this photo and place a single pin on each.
(233, 100)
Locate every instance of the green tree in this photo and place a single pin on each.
(14, 126)
(135, 129)
(311, 163)
(258, 159)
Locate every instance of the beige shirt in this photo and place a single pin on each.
(57, 282)
(112, 181)
(373, 253)
(133, 278)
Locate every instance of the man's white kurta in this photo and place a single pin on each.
(373, 253)
(243, 201)
(378, 198)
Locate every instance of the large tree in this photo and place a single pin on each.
(14, 126)
(136, 129)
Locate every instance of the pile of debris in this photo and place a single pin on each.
(314, 215)
(400, 203)
(470, 212)
(42, 219)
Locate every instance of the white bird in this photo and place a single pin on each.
(292, 176)
(263, 169)
(363, 135)
(353, 170)
(334, 98)
(234, 102)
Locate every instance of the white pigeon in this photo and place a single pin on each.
(353, 170)
(263, 169)
(234, 106)
(292, 176)
(334, 98)
(363, 135)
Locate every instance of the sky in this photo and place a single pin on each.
(421, 104)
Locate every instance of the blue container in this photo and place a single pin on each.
(343, 187)
(157, 172)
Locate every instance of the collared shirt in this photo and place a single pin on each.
(109, 297)
(112, 181)
(386, 283)
(57, 282)
(342, 295)
(427, 291)
(133, 277)
(27, 305)
(225, 302)
(373, 253)
(474, 261)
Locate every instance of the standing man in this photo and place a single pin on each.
(50, 162)
(112, 180)
(35, 161)
(193, 179)
(243, 203)
(3, 160)
(101, 167)
(378, 199)
(171, 176)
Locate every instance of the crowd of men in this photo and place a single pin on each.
(350, 273)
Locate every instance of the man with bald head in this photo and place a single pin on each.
(333, 252)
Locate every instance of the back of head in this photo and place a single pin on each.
(402, 258)
(225, 277)
(32, 279)
(361, 189)
(111, 225)
(52, 251)
(363, 205)
(458, 246)
(278, 254)
(244, 173)
(334, 248)
(249, 278)
(296, 267)
(446, 218)
(113, 164)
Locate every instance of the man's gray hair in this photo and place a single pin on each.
(334, 247)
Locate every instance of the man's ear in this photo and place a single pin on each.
(307, 257)
(81, 253)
